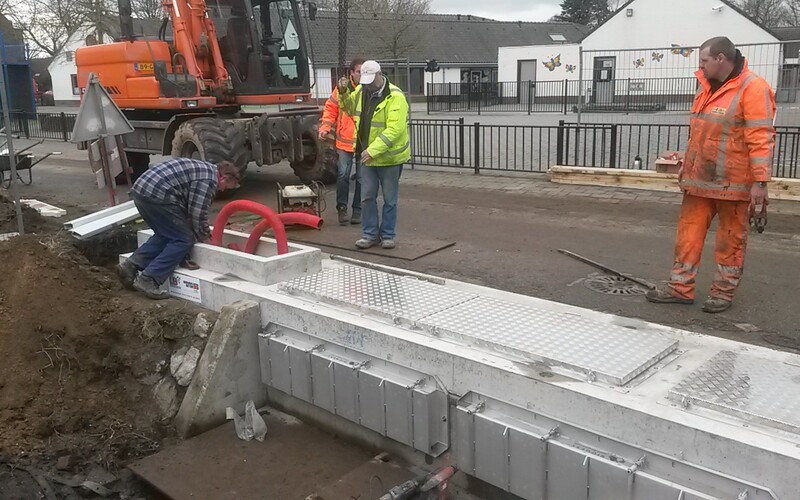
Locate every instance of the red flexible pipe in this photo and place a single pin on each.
(287, 218)
(255, 208)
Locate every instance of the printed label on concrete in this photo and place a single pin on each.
(185, 287)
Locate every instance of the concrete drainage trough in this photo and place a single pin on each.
(537, 399)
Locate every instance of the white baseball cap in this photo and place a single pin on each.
(368, 71)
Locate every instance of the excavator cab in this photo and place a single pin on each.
(263, 47)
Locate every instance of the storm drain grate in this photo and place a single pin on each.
(613, 285)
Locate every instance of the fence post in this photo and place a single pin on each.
(565, 95)
(64, 131)
(612, 161)
(23, 125)
(530, 92)
(560, 143)
(628, 105)
(469, 95)
(480, 97)
(477, 144)
(461, 141)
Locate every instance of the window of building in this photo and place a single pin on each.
(75, 89)
(557, 37)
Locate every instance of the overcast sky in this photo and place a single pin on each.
(504, 10)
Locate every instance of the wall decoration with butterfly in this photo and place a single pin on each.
(570, 68)
(553, 63)
(681, 51)
(657, 56)
(638, 63)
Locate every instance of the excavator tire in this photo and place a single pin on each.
(213, 140)
(322, 166)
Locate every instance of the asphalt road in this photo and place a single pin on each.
(510, 241)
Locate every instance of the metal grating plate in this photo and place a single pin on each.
(745, 386)
(401, 298)
(612, 353)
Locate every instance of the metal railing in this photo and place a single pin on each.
(627, 95)
(518, 148)
(56, 126)
(454, 143)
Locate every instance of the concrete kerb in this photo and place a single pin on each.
(228, 373)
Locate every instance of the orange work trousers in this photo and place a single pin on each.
(696, 216)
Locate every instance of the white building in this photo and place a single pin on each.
(643, 57)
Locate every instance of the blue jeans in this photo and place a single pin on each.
(388, 178)
(343, 181)
(160, 255)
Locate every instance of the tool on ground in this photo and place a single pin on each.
(429, 487)
(758, 218)
(607, 269)
(301, 198)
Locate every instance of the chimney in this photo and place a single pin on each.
(459, 17)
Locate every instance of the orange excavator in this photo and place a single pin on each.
(183, 88)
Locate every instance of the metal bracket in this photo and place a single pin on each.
(270, 330)
(475, 408)
(591, 376)
(686, 402)
(639, 464)
(358, 366)
(743, 495)
(317, 348)
(555, 431)
(417, 383)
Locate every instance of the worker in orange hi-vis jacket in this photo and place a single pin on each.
(727, 166)
(336, 121)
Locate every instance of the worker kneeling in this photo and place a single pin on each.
(173, 198)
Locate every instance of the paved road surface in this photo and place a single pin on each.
(508, 231)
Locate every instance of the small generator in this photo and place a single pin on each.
(300, 198)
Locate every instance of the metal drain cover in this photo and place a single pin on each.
(613, 285)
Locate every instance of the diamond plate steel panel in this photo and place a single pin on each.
(401, 298)
(746, 386)
(612, 353)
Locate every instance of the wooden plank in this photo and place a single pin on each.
(779, 188)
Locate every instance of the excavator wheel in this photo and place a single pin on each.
(213, 140)
(322, 166)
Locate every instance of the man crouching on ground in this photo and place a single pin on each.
(173, 198)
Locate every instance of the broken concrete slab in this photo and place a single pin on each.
(182, 365)
(202, 325)
(228, 373)
(165, 394)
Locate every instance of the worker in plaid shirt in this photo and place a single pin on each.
(173, 198)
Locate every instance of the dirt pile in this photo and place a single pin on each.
(81, 357)
(34, 223)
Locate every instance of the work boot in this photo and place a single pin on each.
(343, 218)
(716, 305)
(127, 272)
(664, 296)
(365, 243)
(149, 287)
(387, 244)
(356, 218)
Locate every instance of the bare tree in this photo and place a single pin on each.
(770, 13)
(147, 9)
(793, 12)
(398, 20)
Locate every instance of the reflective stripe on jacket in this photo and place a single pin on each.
(335, 120)
(388, 134)
(731, 139)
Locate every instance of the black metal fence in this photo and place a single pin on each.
(628, 94)
(520, 148)
(57, 126)
(454, 143)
